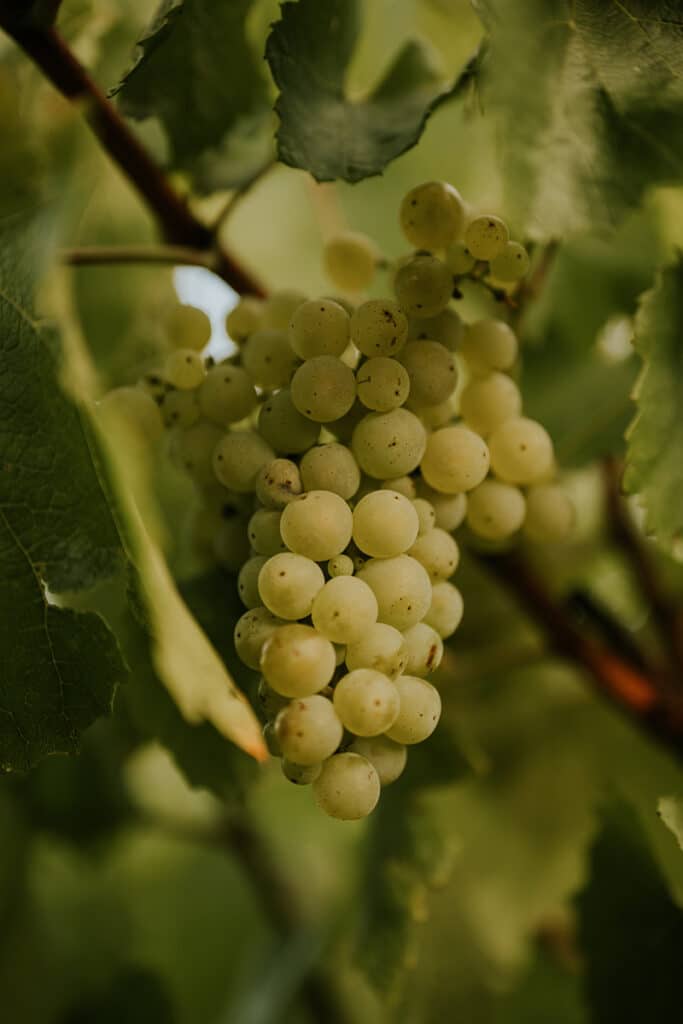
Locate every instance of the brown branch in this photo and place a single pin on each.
(98, 255)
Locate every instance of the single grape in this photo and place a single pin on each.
(385, 524)
(245, 318)
(263, 531)
(318, 525)
(226, 394)
(425, 649)
(323, 389)
(184, 369)
(188, 327)
(388, 758)
(432, 372)
(230, 543)
(382, 648)
(134, 407)
(193, 449)
(288, 584)
(383, 384)
(445, 610)
(423, 286)
(319, 327)
(344, 609)
(402, 588)
(347, 788)
(446, 327)
(521, 451)
(180, 409)
(459, 259)
(251, 632)
(284, 427)
(438, 553)
(278, 483)
(426, 516)
(379, 327)
(268, 358)
(511, 263)
(420, 710)
(495, 510)
(297, 661)
(300, 774)
(455, 459)
(487, 401)
(486, 237)
(247, 581)
(330, 467)
(389, 444)
(366, 702)
(489, 345)
(308, 730)
(404, 485)
(432, 215)
(238, 458)
(350, 260)
(549, 514)
(340, 565)
(280, 307)
(449, 509)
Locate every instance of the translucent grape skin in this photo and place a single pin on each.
(340, 565)
(226, 394)
(419, 713)
(245, 318)
(343, 609)
(318, 525)
(488, 401)
(425, 649)
(423, 286)
(285, 428)
(445, 611)
(347, 788)
(388, 758)
(432, 215)
(268, 359)
(381, 647)
(431, 371)
(134, 407)
(438, 552)
(379, 328)
(489, 345)
(402, 588)
(350, 259)
(297, 661)
(180, 409)
(308, 730)
(549, 514)
(385, 524)
(263, 531)
(323, 389)
(495, 510)
(300, 774)
(288, 584)
(184, 369)
(486, 237)
(319, 327)
(251, 632)
(188, 327)
(521, 451)
(280, 307)
(511, 263)
(389, 444)
(278, 483)
(330, 467)
(247, 581)
(455, 459)
(366, 702)
(193, 450)
(382, 384)
(238, 458)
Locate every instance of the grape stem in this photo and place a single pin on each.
(96, 255)
(178, 225)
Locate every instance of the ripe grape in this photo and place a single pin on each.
(432, 215)
(288, 584)
(419, 713)
(350, 260)
(347, 788)
(297, 661)
(367, 702)
(384, 524)
(308, 730)
(318, 525)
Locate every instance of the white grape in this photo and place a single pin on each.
(438, 553)
(459, 259)
(426, 516)
(279, 308)
(511, 263)
(284, 427)
(402, 588)
(489, 345)
(432, 215)
(226, 394)
(300, 774)
(344, 609)
(247, 581)
(180, 409)
(384, 524)
(436, 416)
(350, 260)
(330, 467)
(381, 647)
(486, 236)
(193, 449)
(297, 661)
(404, 485)
(308, 730)
(318, 525)
(446, 609)
(278, 483)
(388, 758)
(366, 702)
(263, 531)
(379, 327)
(251, 632)
(549, 514)
(431, 370)
(521, 451)
(423, 286)
(420, 710)
(495, 510)
(446, 327)
(268, 358)
(288, 584)
(340, 565)
(389, 444)
(382, 384)
(134, 407)
(425, 649)
(184, 369)
(487, 401)
(347, 788)
(323, 389)
(449, 509)
(455, 459)
(188, 327)
(245, 318)
(319, 327)
(238, 458)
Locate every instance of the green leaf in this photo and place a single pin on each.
(324, 131)
(654, 468)
(670, 810)
(631, 932)
(56, 529)
(589, 98)
(196, 72)
(136, 995)
(548, 991)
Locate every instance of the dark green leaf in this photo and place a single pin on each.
(196, 72)
(136, 996)
(655, 441)
(321, 129)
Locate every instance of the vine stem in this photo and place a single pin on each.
(97, 255)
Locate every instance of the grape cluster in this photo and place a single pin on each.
(336, 454)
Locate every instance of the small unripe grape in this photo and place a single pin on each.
(263, 531)
(247, 581)
(379, 327)
(425, 649)
(251, 632)
(268, 358)
(366, 702)
(323, 389)
(278, 483)
(330, 467)
(402, 588)
(239, 457)
(344, 609)
(486, 236)
(134, 407)
(318, 525)
(297, 661)
(188, 327)
(382, 648)
(308, 730)
(423, 286)
(438, 553)
(389, 444)
(385, 524)
(432, 372)
(340, 565)
(511, 263)
(279, 308)
(495, 510)
(284, 427)
(455, 459)
(319, 327)
(420, 710)
(459, 259)
(549, 514)
(245, 318)
(488, 401)
(226, 394)
(288, 584)
(180, 409)
(383, 384)
(184, 369)
(432, 215)
(388, 758)
(445, 610)
(489, 345)
(521, 451)
(347, 788)
(350, 260)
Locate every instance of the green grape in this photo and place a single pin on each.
(432, 372)
(432, 215)
(486, 237)
(383, 384)
(134, 407)
(344, 609)
(323, 389)
(270, 702)
(521, 451)
(379, 327)
(308, 730)
(278, 483)
(446, 327)
(446, 608)
(284, 427)
(230, 543)
(385, 524)
(426, 516)
(297, 661)
(247, 581)
(549, 514)
(271, 740)
(238, 457)
(350, 260)
(319, 327)
(340, 565)
(226, 395)
(389, 444)
(495, 510)
(300, 774)
(317, 525)
(438, 553)
(423, 286)
(251, 632)
(455, 459)
(344, 427)
(347, 788)
(402, 588)
(489, 345)
(449, 509)
(263, 532)
(511, 263)
(366, 702)
(404, 485)
(184, 369)
(436, 416)
(288, 583)
(193, 449)
(387, 758)
(188, 327)
(420, 711)
(154, 385)
(382, 648)
(268, 358)
(330, 467)
(280, 307)
(180, 409)
(488, 401)
(459, 259)
(425, 649)
(244, 319)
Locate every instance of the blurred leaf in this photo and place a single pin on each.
(136, 996)
(654, 467)
(547, 991)
(670, 810)
(321, 129)
(589, 98)
(196, 72)
(631, 933)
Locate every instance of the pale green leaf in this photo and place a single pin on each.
(670, 810)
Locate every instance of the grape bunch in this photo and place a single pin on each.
(335, 454)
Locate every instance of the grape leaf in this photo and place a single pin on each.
(654, 468)
(56, 529)
(321, 129)
(196, 72)
(589, 98)
(631, 932)
(670, 810)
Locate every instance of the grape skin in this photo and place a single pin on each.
(308, 730)
(420, 711)
(296, 661)
(367, 702)
(318, 525)
(347, 788)
(288, 584)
